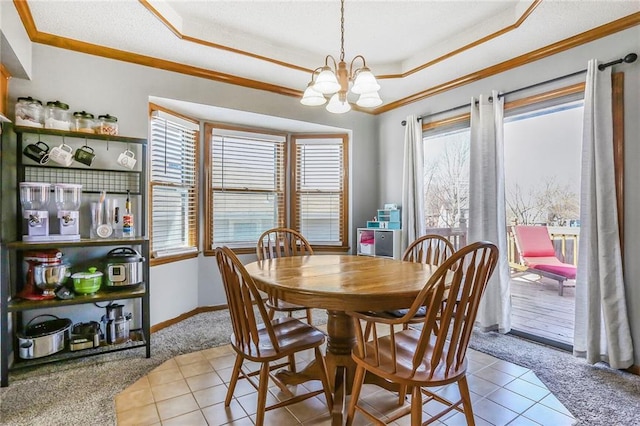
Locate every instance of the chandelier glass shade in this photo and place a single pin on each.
(336, 81)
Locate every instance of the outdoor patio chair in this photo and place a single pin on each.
(283, 242)
(537, 255)
(263, 341)
(435, 355)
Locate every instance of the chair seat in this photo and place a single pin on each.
(551, 264)
(399, 313)
(281, 305)
(291, 334)
(400, 370)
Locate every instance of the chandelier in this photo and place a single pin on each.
(334, 79)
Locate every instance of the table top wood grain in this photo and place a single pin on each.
(342, 282)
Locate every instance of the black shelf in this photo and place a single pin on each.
(79, 135)
(137, 341)
(20, 305)
(93, 180)
(83, 242)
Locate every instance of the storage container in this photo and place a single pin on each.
(83, 122)
(107, 125)
(29, 112)
(57, 116)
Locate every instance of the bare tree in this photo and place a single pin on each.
(447, 183)
(552, 203)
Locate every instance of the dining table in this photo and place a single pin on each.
(340, 284)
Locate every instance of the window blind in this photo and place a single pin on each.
(319, 194)
(173, 186)
(248, 186)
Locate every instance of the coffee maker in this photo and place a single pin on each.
(68, 198)
(34, 197)
(116, 324)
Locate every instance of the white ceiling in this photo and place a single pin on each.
(395, 36)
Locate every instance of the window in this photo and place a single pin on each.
(247, 185)
(174, 146)
(319, 188)
(249, 190)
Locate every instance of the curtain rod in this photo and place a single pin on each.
(631, 57)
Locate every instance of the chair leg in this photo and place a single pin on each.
(416, 406)
(272, 313)
(358, 380)
(262, 393)
(324, 378)
(560, 287)
(309, 319)
(466, 400)
(292, 363)
(234, 380)
(402, 395)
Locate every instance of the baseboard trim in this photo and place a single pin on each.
(182, 317)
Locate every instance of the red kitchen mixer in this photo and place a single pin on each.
(45, 273)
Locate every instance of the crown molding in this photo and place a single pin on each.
(535, 55)
(92, 49)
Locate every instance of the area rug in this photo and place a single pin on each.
(594, 394)
(82, 391)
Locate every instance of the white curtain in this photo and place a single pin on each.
(601, 321)
(487, 213)
(412, 182)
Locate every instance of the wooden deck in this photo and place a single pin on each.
(538, 309)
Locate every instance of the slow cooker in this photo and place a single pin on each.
(123, 267)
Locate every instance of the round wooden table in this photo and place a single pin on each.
(340, 283)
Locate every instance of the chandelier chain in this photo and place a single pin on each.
(342, 30)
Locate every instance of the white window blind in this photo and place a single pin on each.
(248, 186)
(319, 193)
(173, 185)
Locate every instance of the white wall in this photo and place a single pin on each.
(121, 89)
(15, 46)
(606, 49)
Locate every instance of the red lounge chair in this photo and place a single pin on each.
(538, 255)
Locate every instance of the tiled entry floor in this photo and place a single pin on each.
(190, 389)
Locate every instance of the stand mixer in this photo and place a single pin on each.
(40, 285)
(68, 199)
(34, 197)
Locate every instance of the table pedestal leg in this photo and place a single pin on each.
(341, 368)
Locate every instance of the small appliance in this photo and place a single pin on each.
(123, 268)
(116, 324)
(68, 197)
(34, 197)
(34, 258)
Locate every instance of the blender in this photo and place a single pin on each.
(68, 198)
(34, 197)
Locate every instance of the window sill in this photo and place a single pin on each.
(155, 261)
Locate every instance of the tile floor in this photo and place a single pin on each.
(190, 390)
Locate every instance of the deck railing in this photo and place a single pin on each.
(565, 241)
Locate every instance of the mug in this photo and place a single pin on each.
(127, 159)
(61, 154)
(37, 152)
(84, 155)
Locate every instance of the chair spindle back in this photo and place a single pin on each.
(242, 297)
(282, 242)
(430, 249)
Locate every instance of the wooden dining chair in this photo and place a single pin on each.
(429, 249)
(283, 242)
(262, 340)
(435, 355)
